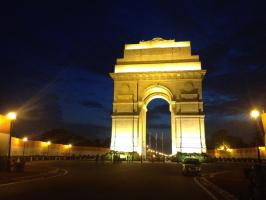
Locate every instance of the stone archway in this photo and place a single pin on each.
(153, 92)
(158, 69)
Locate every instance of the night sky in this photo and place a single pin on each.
(55, 59)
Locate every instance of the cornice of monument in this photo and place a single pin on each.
(122, 61)
(157, 42)
(157, 55)
(192, 74)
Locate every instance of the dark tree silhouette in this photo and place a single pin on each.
(221, 137)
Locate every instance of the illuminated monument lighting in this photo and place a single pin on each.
(158, 69)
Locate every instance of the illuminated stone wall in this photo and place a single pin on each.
(250, 152)
(39, 148)
(158, 69)
(17, 145)
(263, 119)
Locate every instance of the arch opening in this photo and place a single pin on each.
(158, 129)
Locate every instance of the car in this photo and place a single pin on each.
(191, 166)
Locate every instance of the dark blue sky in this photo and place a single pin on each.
(55, 58)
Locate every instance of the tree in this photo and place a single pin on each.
(257, 139)
(221, 137)
(63, 136)
(106, 142)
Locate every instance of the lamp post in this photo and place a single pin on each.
(12, 117)
(255, 114)
(69, 148)
(48, 144)
(25, 140)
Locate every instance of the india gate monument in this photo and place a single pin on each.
(153, 69)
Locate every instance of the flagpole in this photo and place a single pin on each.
(156, 143)
(162, 142)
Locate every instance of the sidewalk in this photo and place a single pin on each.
(233, 181)
(32, 170)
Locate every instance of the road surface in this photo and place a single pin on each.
(88, 180)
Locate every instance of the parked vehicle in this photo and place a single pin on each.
(191, 166)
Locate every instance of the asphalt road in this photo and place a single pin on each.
(88, 180)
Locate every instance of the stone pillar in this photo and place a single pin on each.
(191, 133)
(125, 133)
(142, 131)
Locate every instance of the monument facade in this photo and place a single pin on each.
(158, 69)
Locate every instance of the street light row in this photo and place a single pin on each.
(12, 116)
(25, 139)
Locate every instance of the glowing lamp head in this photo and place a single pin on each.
(70, 145)
(48, 143)
(11, 115)
(25, 139)
(254, 114)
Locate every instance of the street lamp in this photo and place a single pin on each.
(255, 114)
(25, 140)
(48, 144)
(12, 117)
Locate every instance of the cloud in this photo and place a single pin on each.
(214, 98)
(89, 130)
(92, 104)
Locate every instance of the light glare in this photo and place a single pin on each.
(12, 115)
(254, 114)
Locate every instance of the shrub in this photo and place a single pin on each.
(201, 156)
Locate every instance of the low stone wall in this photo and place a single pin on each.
(250, 152)
(4, 134)
(39, 148)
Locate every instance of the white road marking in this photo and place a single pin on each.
(223, 193)
(205, 189)
(217, 173)
(32, 180)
